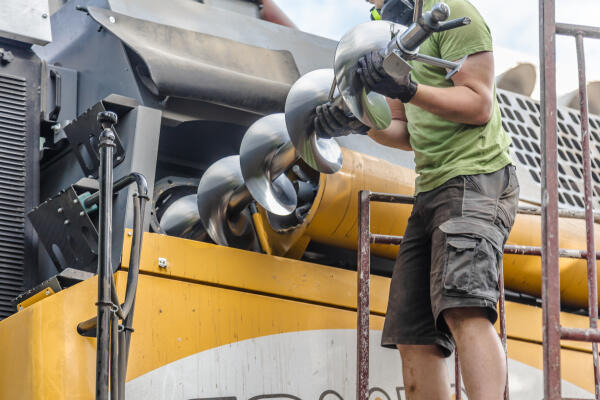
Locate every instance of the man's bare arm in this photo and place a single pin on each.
(470, 100)
(396, 135)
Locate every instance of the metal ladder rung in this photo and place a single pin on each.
(580, 335)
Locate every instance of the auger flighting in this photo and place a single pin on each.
(273, 144)
(400, 45)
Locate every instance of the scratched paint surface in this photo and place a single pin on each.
(317, 364)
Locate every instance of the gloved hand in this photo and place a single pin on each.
(373, 76)
(331, 121)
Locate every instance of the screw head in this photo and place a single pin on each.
(162, 262)
(112, 19)
(81, 213)
(129, 234)
(60, 210)
(47, 292)
(67, 222)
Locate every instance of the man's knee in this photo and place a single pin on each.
(459, 318)
(419, 352)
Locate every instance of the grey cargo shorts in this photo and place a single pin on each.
(450, 256)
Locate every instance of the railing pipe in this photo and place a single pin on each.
(106, 147)
(589, 207)
(114, 356)
(362, 306)
(502, 318)
(592, 32)
(549, 200)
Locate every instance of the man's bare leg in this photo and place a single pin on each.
(481, 354)
(425, 372)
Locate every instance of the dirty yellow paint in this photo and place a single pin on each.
(333, 220)
(209, 296)
(35, 298)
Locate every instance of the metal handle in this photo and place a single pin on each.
(55, 76)
(452, 24)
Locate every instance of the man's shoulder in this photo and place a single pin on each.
(463, 8)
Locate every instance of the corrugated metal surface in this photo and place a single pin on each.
(13, 148)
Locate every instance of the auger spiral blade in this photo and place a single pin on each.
(265, 153)
(311, 90)
(369, 107)
(222, 200)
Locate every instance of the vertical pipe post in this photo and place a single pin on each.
(114, 356)
(362, 302)
(589, 208)
(502, 309)
(549, 200)
(457, 377)
(105, 174)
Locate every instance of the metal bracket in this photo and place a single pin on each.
(66, 231)
(396, 66)
(83, 134)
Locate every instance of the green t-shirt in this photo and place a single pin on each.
(445, 149)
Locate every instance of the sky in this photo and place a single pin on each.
(514, 26)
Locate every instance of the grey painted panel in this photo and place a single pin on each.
(26, 21)
(310, 51)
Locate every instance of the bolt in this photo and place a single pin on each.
(44, 15)
(47, 292)
(75, 201)
(6, 56)
(67, 222)
(129, 234)
(119, 158)
(81, 213)
(112, 19)
(20, 307)
(60, 210)
(162, 262)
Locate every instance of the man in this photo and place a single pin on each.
(444, 287)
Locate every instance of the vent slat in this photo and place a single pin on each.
(13, 163)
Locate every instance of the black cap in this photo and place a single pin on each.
(398, 11)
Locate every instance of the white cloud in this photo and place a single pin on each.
(514, 25)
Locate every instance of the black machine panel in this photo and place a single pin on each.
(19, 133)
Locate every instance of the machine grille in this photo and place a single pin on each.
(521, 118)
(13, 147)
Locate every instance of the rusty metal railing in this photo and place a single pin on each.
(552, 330)
(366, 238)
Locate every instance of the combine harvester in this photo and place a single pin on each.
(191, 122)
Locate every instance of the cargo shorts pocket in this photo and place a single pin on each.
(470, 267)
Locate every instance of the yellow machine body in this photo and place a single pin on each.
(210, 298)
(333, 220)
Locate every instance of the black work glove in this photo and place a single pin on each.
(373, 76)
(331, 121)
